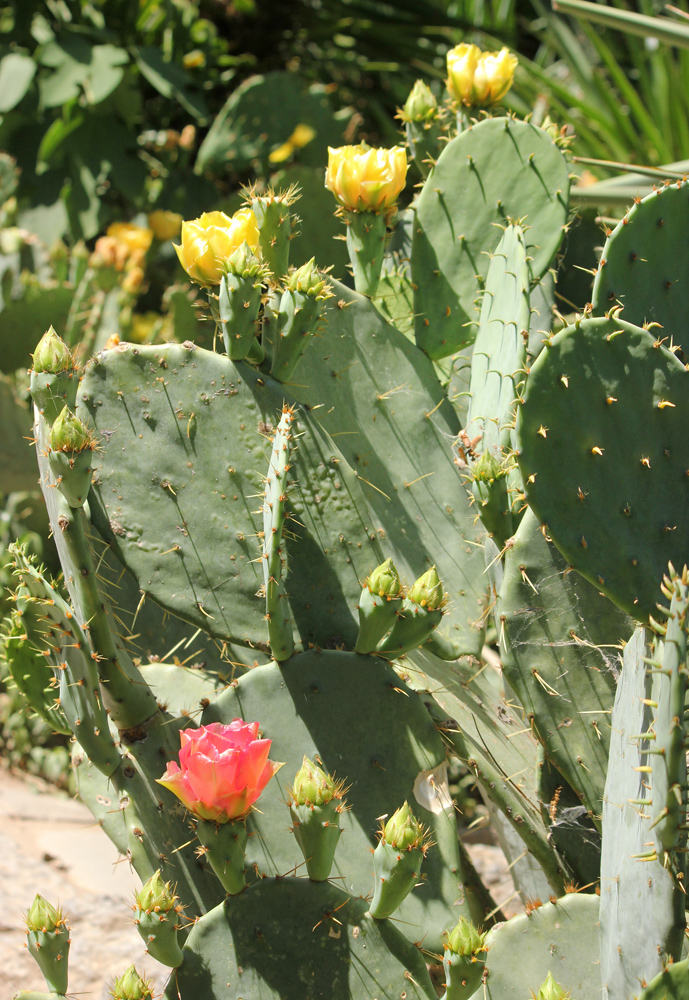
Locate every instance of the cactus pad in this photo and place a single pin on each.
(495, 171)
(184, 445)
(605, 459)
(645, 263)
(292, 939)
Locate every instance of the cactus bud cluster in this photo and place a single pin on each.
(48, 942)
(427, 590)
(309, 280)
(68, 433)
(52, 354)
(316, 801)
(54, 376)
(403, 831)
(464, 960)
(156, 912)
(131, 986)
(421, 105)
(550, 990)
(397, 860)
(385, 581)
(71, 456)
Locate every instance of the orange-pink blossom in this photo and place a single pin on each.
(222, 770)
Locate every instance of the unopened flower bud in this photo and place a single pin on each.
(550, 990)
(487, 469)
(403, 831)
(465, 939)
(309, 280)
(312, 785)
(245, 263)
(68, 433)
(131, 986)
(155, 896)
(385, 581)
(421, 105)
(43, 916)
(427, 590)
(52, 354)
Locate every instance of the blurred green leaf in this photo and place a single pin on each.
(16, 73)
(170, 80)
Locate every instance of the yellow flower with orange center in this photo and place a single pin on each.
(207, 243)
(365, 179)
(479, 79)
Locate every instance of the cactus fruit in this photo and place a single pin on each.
(420, 614)
(48, 942)
(550, 990)
(423, 126)
(131, 986)
(301, 308)
(156, 915)
(71, 457)
(316, 803)
(397, 860)
(380, 602)
(463, 960)
(54, 378)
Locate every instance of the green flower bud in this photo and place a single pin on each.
(487, 469)
(52, 354)
(246, 263)
(43, 916)
(312, 786)
(131, 986)
(310, 281)
(385, 580)
(550, 990)
(421, 105)
(68, 433)
(427, 591)
(465, 939)
(155, 896)
(403, 831)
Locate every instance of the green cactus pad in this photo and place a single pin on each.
(499, 355)
(605, 458)
(181, 517)
(498, 170)
(667, 752)
(560, 937)
(487, 733)
(558, 650)
(645, 264)
(389, 415)
(641, 907)
(312, 705)
(671, 984)
(292, 939)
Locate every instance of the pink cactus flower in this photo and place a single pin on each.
(222, 770)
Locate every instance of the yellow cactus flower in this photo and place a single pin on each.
(164, 225)
(302, 136)
(131, 236)
(479, 79)
(364, 179)
(208, 241)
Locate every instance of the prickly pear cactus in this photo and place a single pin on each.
(383, 575)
